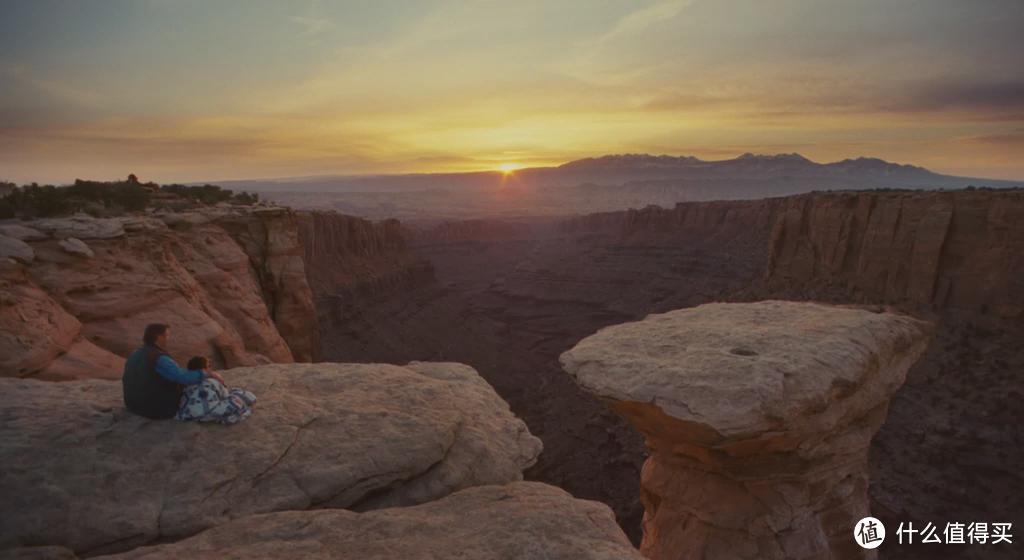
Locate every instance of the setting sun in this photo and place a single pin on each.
(508, 168)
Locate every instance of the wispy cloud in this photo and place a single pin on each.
(311, 25)
(327, 87)
(55, 89)
(642, 19)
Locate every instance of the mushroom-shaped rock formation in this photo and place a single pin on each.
(80, 472)
(758, 417)
(519, 521)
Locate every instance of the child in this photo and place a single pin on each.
(211, 400)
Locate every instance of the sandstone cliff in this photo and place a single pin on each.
(351, 257)
(962, 249)
(937, 249)
(354, 265)
(231, 284)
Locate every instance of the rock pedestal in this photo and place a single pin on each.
(758, 418)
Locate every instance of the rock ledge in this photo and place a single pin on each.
(82, 473)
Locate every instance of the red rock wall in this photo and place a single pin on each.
(960, 249)
(231, 284)
(270, 237)
(716, 219)
(345, 255)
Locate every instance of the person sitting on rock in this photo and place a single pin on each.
(211, 400)
(152, 381)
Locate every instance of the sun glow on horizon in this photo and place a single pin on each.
(362, 88)
(509, 168)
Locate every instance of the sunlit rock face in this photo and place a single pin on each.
(758, 418)
(231, 284)
(80, 472)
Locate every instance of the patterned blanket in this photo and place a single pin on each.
(211, 401)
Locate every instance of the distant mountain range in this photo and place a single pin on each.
(601, 183)
(609, 170)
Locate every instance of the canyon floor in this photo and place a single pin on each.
(509, 297)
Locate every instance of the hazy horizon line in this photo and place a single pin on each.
(494, 170)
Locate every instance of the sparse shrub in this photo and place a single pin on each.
(207, 194)
(100, 198)
(7, 209)
(246, 198)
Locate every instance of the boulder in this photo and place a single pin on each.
(81, 472)
(14, 248)
(21, 232)
(81, 227)
(77, 247)
(758, 418)
(518, 521)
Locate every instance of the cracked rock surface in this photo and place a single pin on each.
(82, 473)
(758, 418)
(518, 521)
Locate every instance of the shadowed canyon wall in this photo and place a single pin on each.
(958, 249)
(354, 265)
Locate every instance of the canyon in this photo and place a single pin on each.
(257, 287)
(511, 295)
(595, 184)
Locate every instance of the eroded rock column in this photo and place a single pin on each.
(758, 418)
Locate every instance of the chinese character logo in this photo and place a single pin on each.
(869, 532)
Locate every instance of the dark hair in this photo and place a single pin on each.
(197, 363)
(153, 330)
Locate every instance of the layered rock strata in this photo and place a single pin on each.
(938, 249)
(230, 283)
(758, 418)
(352, 259)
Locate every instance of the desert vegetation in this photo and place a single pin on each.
(111, 198)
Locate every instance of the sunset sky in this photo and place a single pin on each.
(183, 90)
